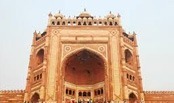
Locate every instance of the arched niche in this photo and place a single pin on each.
(40, 57)
(128, 57)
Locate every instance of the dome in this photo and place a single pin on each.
(110, 15)
(85, 14)
(58, 15)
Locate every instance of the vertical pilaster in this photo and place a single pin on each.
(115, 66)
(43, 84)
(52, 67)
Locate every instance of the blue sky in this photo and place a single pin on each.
(152, 20)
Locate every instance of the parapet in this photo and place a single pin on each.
(84, 19)
(159, 96)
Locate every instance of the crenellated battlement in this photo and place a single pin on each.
(11, 91)
(158, 92)
(84, 19)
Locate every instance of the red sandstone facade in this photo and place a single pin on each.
(85, 60)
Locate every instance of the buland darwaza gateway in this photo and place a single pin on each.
(84, 59)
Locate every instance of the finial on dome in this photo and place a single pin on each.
(134, 33)
(118, 15)
(84, 9)
(57, 15)
(50, 14)
(35, 32)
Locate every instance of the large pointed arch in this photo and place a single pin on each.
(84, 65)
(132, 98)
(35, 98)
(100, 80)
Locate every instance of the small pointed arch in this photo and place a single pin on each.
(89, 93)
(127, 76)
(70, 92)
(84, 93)
(74, 22)
(110, 23)
(40, 57)
(35, 98)
(53, 23)
(130, 77)
(80, 93)
(100, 23)
(98, 92)
(66, 91)
(132, 98)
(95, 22)
(84, 23)
(89, 23)
(79, 23)
(58, 23)
(69, 22)
(105, 23)
(73, 92)
(116, 23)
(95, 92)
(63, 23)
(128, 57)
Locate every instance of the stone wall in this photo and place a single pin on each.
(11, 96)
(159, 96)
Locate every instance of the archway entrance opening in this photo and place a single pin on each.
(35, 98)
(132, 98)
(84, 77)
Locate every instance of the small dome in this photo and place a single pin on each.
(58, 15)
(85, 14)
(110, 15)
